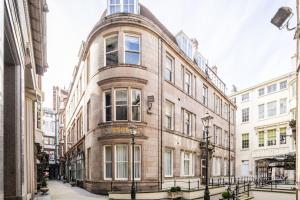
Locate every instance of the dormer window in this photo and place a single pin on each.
(185, 44)
(122, 6)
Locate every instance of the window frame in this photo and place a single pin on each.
(172, 115)
(191, 164)
(116, 162)
(189, 84)
(283, 83)
(283, 102)
(139, 106)
(171, 164)
(245, 142)
(105, 162)
(88, 114)
(115, 104)
(171, 71)
(261, 136)
(122, 6)
(272, 88)
(105, 107)
(105, 54)
(205, 95)
(139, 52)
(245, 97)
(261, 113)
(245, 116)
(261, 93)
(272, 109)
(273, 141)
(282, 135)
(140, 162)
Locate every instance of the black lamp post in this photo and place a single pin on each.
(206, 120)
(133, 133)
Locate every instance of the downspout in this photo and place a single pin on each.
(161, 114)
(229, 146)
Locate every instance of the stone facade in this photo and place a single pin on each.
(23, 62)
(89, 132)
(265, 127)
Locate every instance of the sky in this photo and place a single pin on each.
(234, 35)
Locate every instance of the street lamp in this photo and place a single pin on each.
(206, 120)
(133, 133)
(282, 17)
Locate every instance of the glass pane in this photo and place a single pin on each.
(108, 167)
(112, 58)
(136, 116)
(111, 44)
(121, 97)
(121, 113)
(132, 58)
(108, 114)
(136, 97)
(107, 98)
(108, 154)
(132, 43)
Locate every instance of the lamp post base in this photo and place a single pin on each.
(133, 194)
(206, 194)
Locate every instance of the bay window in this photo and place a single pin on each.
(111, 50)
(136, 105)
(122, 162)
(107, 106)
(114, 6)
(168, 163)
(137, 161)
(132, 50)
(121, 104)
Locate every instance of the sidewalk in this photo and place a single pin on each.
(61, 191)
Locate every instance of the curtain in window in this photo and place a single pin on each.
(137, 162)
(122, 161)
(108, 162)
(168, 162)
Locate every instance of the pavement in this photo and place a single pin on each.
(63, 191)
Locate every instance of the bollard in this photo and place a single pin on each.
(248, 189)
(189, 185)
(198, 184)
(175, 183)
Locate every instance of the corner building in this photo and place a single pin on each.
(133, 71)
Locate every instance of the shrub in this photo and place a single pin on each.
(178, 189)
(175, 189)
(44, 182)
(226, 195)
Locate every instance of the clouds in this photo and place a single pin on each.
(236, 35)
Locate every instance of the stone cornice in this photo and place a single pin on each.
(122, 79)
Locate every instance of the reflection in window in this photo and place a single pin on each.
(132, 50)
(108, 106)
(112, 50)
(121, 104)
(136, 105)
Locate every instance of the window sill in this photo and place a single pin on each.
(246, 149)
(121, 123)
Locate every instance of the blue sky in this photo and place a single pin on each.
(234, 35)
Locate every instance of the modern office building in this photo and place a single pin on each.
(133, 71)
(23, 61)
(265, 146)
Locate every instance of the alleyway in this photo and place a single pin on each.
(61, 191)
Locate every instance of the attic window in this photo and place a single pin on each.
(122, 6)
(185, 44)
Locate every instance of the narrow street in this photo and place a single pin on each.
(61, 191)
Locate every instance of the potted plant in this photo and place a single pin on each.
(227, 194)
(44, 189)
(175, 192)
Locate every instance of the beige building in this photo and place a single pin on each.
(133, 71)
(23, 61)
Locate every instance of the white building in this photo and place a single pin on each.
(263, 135)
(49, 134)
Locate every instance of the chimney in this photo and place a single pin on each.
(215, 69)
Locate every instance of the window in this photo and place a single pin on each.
(261, 92)
(168, 163)
(107, 106)
(272, 88)
(88, 163)
(121, 104)
(245, 97)
(261, 111)
(261, 138)
(187, 164)
(271, 108)
(132, 50)
(108, 162)
(187, 123)
(218, 133)
(185, 44)
(216, 166)
(283, 85)
(271, 137)
(226, 109)
(226, 139)
(169, 69)
(245, 141)
(169, 113)
(226, 169)
(126, 6)
(203, 167)
(282, 106)
(218, 105)
(111, 46)
(205, 95)
(282, 135)
(136, 105)
(114, 6)
(188, 83)
(293, 90)
(245, 115)
(137, 161)
(88, 113)
(121, 161)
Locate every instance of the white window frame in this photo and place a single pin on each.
(245, 97)
(116, 174)
(104, 162)
(191, 163)
(171, 71)
(245, 115)
(261, 111)
(191, 122)
(283, 83)
(165, 163)
(272, 88)
(115, 104)
(122, 4)
(105, 107)
(283, 106)
(205, 95)
(269, 108)
(140, 162)
(172, 116)
(105, 53)
(188, 84)
(261, 92)
(139, 52)
(140, 106)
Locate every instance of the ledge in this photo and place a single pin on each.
(121, 136)
(121, 65)
(122, 79)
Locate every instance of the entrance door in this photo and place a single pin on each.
(245, 168)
